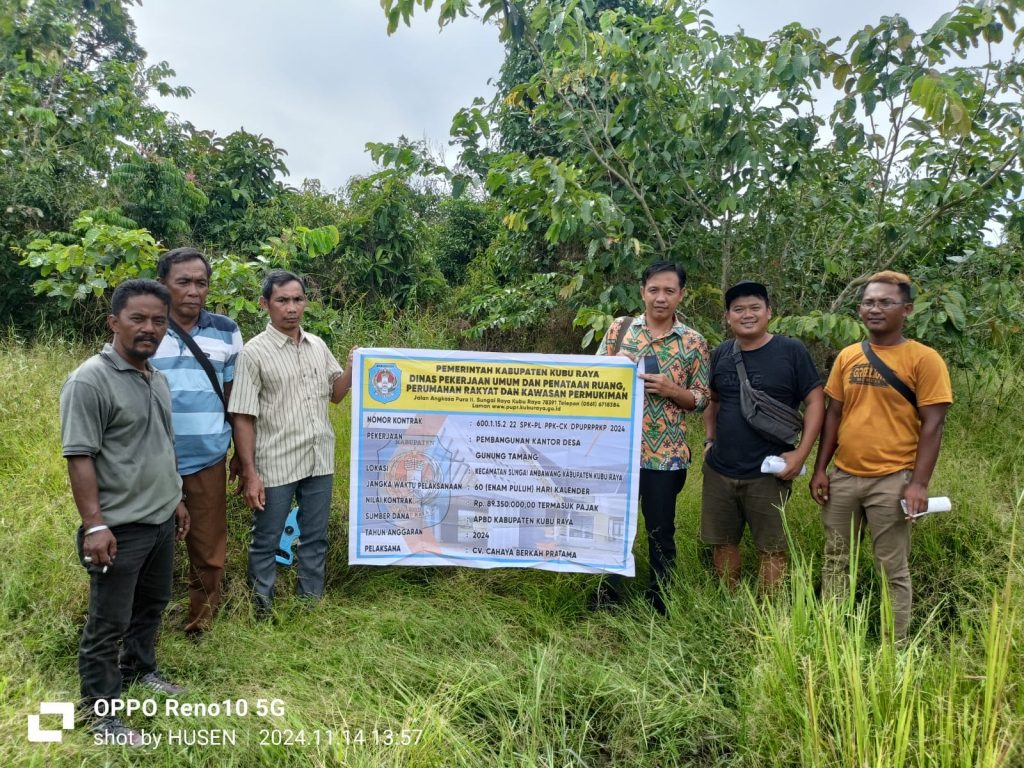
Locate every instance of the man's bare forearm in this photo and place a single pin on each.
(933, 422)
(85, 489)
(814, 418)
(245, 440)
(710, 418)
(829, 436)
(341, 386)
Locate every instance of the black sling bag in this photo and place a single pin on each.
(766, 415)
(888, 374)
(202, 359)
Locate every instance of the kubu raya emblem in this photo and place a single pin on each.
(385, 382)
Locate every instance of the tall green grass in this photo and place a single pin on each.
(508, 668)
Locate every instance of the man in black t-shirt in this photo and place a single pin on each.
(736, 493)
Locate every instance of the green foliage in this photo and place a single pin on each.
(500, 291)
(300, 246)
(633, 131)
(72, 106)
(309, 207)
(462, 230)
(235, 289)
(379, 255)
(99, 257)
(510, 13)
(159, 196)
(236, 172)
(79, 269)
(834, 330)
(520, 306)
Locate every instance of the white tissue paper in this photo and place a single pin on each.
(773, 465)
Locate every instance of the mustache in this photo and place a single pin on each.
(145, 337)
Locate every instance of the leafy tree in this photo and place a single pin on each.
(78, 269)
(308, 207)
(237, 172)
(73, 87)
(462, 231)
(379, 254)
(644, 132)
(153, 191)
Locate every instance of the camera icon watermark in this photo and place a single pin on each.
(65, 709)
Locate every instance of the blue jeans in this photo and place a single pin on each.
(313, 495)
(125, 606)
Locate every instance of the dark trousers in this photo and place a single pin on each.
(313, 496)
(125, 606)
(658, 492)
(206, 499)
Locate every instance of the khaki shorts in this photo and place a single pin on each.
(728, 505)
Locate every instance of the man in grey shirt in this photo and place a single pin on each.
(117, 437)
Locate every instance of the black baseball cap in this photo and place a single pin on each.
(746, 288)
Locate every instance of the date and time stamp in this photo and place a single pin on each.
(345, 737)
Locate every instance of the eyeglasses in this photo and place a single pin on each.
(883, 304)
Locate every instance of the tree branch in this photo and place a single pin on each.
(925, 222)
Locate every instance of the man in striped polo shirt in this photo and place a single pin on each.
(201, 426)
(284, 438)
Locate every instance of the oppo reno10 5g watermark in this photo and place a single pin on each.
(189, 709)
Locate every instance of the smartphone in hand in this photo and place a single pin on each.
(651, 364)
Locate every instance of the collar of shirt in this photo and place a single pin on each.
(110, 355)
(203, 321)
(678, 328)
(280, 339)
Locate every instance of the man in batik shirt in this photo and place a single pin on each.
(679, 386)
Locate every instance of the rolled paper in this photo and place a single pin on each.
(935, 504)
(773, 465)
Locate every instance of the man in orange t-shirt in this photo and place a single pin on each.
(885, 447)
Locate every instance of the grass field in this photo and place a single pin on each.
(508, 668)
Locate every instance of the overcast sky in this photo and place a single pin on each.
(321, 77)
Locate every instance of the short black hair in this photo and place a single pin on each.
(664, 266)
(746, 289)
(179, 256)
(277, 277)
(138, 287)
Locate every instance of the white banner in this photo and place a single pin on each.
(491, 460)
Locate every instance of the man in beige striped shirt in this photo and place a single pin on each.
(284, 438)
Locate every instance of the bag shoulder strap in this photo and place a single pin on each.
(627, 321)
(888, 374)
(737, 357)
(201, 358)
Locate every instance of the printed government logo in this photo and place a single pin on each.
(65, 709)
(385, 382)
